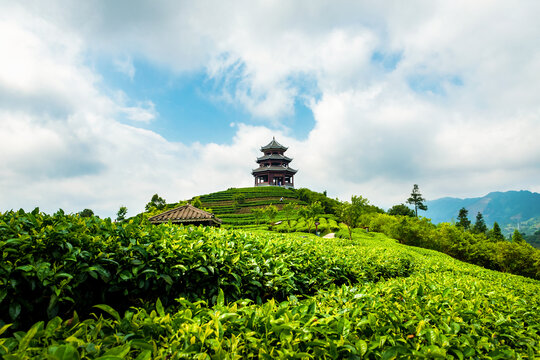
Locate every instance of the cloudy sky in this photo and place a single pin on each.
(105, 103)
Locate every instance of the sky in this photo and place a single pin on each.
(105, 103)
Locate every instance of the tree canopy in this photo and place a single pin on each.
(496, 234)
(517, 237)
(311, 212)
(156, 202)
(463, 220)
(401, 209)
(480, 226)
(349, 213)
(310, 197)
(86, 213)
(417, 200)
(121, 214)
(196, 202)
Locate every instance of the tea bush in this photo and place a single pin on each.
(455, 312)
(252, 295)
(56, 264)
(506, 256)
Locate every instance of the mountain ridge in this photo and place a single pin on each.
(510, 209)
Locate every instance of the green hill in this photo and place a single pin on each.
(174, 292)
(234, 205)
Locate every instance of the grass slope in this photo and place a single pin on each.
(260, 295)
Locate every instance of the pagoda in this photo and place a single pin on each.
(274, 167)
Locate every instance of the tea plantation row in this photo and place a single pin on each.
(57, 264)
(296, 296)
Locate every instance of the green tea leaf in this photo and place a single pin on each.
(23, 343)
(362, 347)
(109, 310)
(221, 298)
(4, 328)
(144, 355)
(63, 352)
(159, 308)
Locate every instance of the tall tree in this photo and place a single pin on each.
(463, 220)
(349, 213)
(496, 234)
(121, 214)
(480, 226)
(517, 237)
(417, 200)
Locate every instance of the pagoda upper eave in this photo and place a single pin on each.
(274, 157)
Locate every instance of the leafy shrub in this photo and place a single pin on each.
(429, 306)
(56, 264)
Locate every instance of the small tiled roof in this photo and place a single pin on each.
(185, 214)
(274, 169)
(273, 145)
(274, 157)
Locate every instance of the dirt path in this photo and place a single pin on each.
(329, 236)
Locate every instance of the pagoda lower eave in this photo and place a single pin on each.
(274, 176)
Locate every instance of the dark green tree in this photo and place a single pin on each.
(121, 214)
(480, 226)
(156, 202)
(496, 234)
(417, 200)
(517, 237)
(86, 213)
(463, 220)
(401, 209)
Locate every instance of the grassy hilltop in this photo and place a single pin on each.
(234, 205)
(74, 288)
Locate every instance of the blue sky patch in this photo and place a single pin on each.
(190, 107)
(436, 84)
(388, 61)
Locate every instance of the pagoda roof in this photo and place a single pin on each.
(185, 214)
(273, 145)
(274, 157)
(274, 169)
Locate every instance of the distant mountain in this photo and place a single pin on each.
(511, 209)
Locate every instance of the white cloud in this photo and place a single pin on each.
(144, 112)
